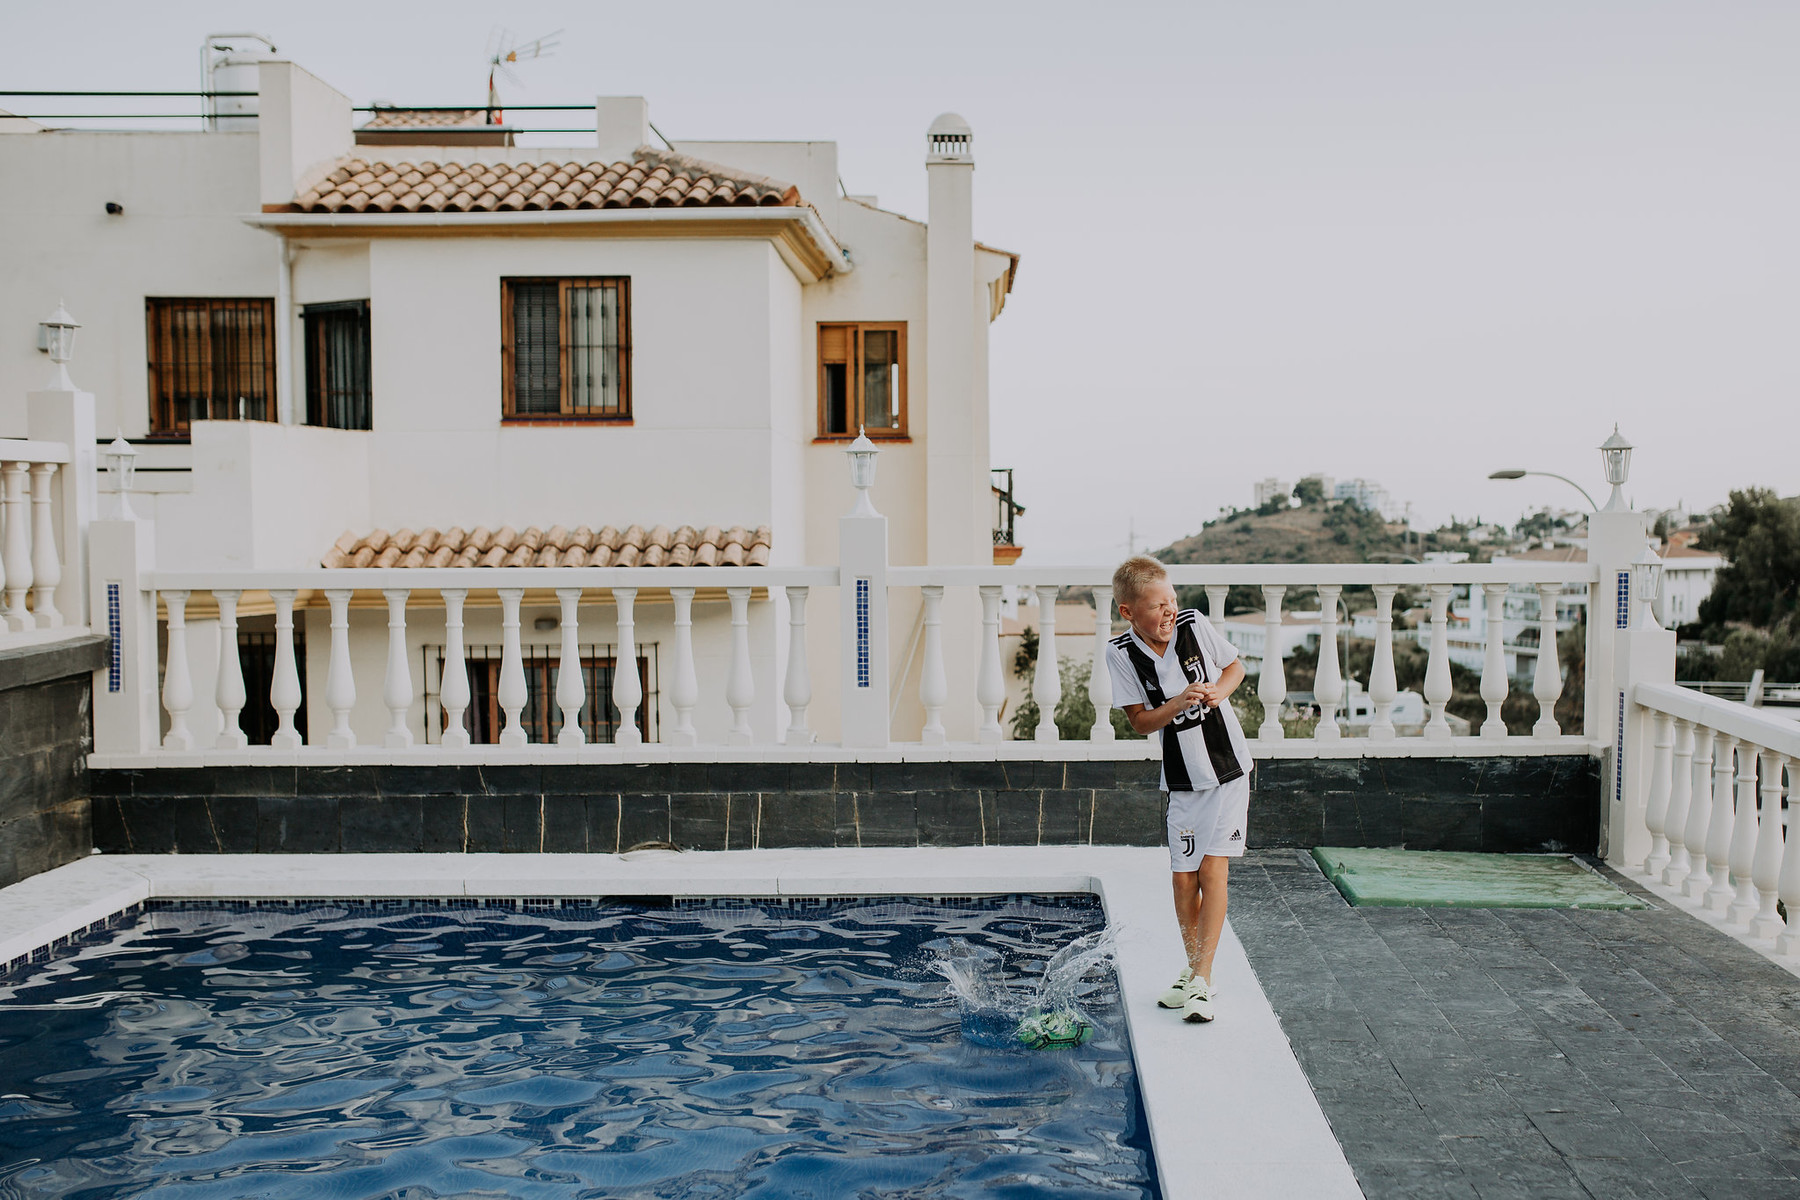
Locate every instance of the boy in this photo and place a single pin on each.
(1173, 673)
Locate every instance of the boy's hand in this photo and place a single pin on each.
(1197, 693)
(1211, 694)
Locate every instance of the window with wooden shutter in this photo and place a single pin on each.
(862, 379)
(566, 349)
(337, 364)
(209, 360)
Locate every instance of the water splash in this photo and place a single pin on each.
(1000, 1013)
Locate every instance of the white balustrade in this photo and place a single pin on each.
(1718, 830)
(1328, 681)
(571, 680)
(1383, 690)
(1765, 870)
(1271, 689)
(1046, 681)
(1681, 792)
(628, 689)
(740, 683)
(46, 567)
(229, 691)
(15, 545)
(284, 689)
(1216, 595)
(990, 688)
(934, 684)
(1656, 806)
(684, 689)
(340, 680)
(1493, 667)
(1437, 665)
(453, 686)
(397, 688)
(1547, 683)
(1099, 674)
(1697, 880)
(512, 693)
(1742, 858)
(178, 683)
(797, 687)
(1787, 888)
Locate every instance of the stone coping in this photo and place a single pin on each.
(48, 654)
(1230, 1111)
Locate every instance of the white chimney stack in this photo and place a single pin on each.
(623, 124)
(951, 535)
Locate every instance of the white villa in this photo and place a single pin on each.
(415, 344)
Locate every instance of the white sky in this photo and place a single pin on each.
(1413, 241)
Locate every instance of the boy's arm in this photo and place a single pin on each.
(1218, 692)
(1148, 720)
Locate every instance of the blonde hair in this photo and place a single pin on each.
(1133, 576)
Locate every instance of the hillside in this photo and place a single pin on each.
(1341, 533)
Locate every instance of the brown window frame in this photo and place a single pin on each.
(855, 416)
(166, 370)
(567, 413)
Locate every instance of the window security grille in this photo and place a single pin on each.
(567, 348)
(337, 364)
(210, 360)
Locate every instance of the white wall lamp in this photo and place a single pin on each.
(1616, 451)
(1646, 581)
(862, 454)
(121, 464)
(56, 337)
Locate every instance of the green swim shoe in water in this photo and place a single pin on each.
(1053, 1031)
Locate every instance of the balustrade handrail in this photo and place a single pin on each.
(428, 579)
(1760, 728)
(27, 450)
(1283, 574)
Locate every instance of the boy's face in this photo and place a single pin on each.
(1152, 612)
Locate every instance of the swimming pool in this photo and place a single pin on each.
(557, 1048)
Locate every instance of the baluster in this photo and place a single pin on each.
(684, 691)
(1046, 684)
(1328, 682)
(397, 689)
(1547, 683)
(1788, 942)
(628, 689)
(17, 545)
(934, 688)
(740, 683)
(512, 693)
(1744, 836)
(1696, 881)
(1493, 667)
(1765, 871)
(1656, 809)
(571, 682)
(1681, 792)
(178, 683)
(1718, 830)
(1271, 688)
(1437, 665)
(1216, 594)
(453, 686)
(797, 688)
(1099, 674)
(340, 681)
(284, 689)
(46, 568)
(990, 688)
(1383, 690)
(229, 691)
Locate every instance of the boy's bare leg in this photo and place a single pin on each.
(1187, 914)
(1213, 875)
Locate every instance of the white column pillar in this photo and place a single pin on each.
(1493, 667)
(15, 550)
(1046, 681)
(229, 692)
(178, 682)
(1437, 665)
(340, 678)
(1328, 681)
(1681, 793)
(1697, 880)
(990, 688)
(934, 687)
(46, 567)
(797, 687)
(1547, 683)
(628, 689)
(1765, 872)
(1383, 690)
(1216, 594)
(740, 686)
(1744, 836)
(127, 714)
(397, 689)
(571, 682)
(1271, 689)
(1717, 896)
(1100, 675)
(284, 689)
(684, 690)
(453, 686)
(512, 692)
(1656, 809)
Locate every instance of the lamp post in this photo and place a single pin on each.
(1518, 474)
(1646, 581)
(861, 454)
(56, 337)
(1616, 452)
(121, 463)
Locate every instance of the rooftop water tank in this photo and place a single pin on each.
(228, 63)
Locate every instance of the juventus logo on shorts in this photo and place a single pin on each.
(1187, 842)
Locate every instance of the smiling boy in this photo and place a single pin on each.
(1172, 674)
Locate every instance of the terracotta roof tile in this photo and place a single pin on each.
(425, 118)
(653, 178)
(556, 547)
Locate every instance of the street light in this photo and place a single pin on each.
(1518, 474)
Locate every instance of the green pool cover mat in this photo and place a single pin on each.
(1447, 879)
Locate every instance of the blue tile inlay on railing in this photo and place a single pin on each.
(115, 675)
(1623, 616)
(1619, 754)
(862, 633)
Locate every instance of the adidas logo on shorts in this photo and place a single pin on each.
(1237, 835)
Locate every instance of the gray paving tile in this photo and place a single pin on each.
(1414, 1181)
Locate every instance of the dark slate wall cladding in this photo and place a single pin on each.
(46, 732)
(1494, 804)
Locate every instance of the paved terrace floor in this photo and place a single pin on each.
(1530, 1053)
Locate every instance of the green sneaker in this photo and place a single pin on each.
(1176, 996)
(1197, 1000)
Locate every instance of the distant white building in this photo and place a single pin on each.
(1687, 579)
(1368, 494)
(1271, 489)
(1249, 634)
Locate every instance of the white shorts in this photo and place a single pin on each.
(1213, 822)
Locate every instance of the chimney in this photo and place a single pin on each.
(623, 124)
(954, 522)
(303, 126)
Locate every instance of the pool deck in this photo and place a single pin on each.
(1534, 1053)
(1231, 1112)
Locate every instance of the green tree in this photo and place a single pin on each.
(1074, 712)
(1759, 535)
(1309, 491)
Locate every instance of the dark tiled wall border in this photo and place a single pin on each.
(1490, 804)
(45, 735)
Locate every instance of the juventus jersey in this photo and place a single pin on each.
(1203, 747)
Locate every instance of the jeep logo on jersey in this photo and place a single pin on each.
(1187, 842)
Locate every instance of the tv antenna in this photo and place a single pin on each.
(503, 53)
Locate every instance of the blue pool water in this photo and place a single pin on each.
(565, 1049)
